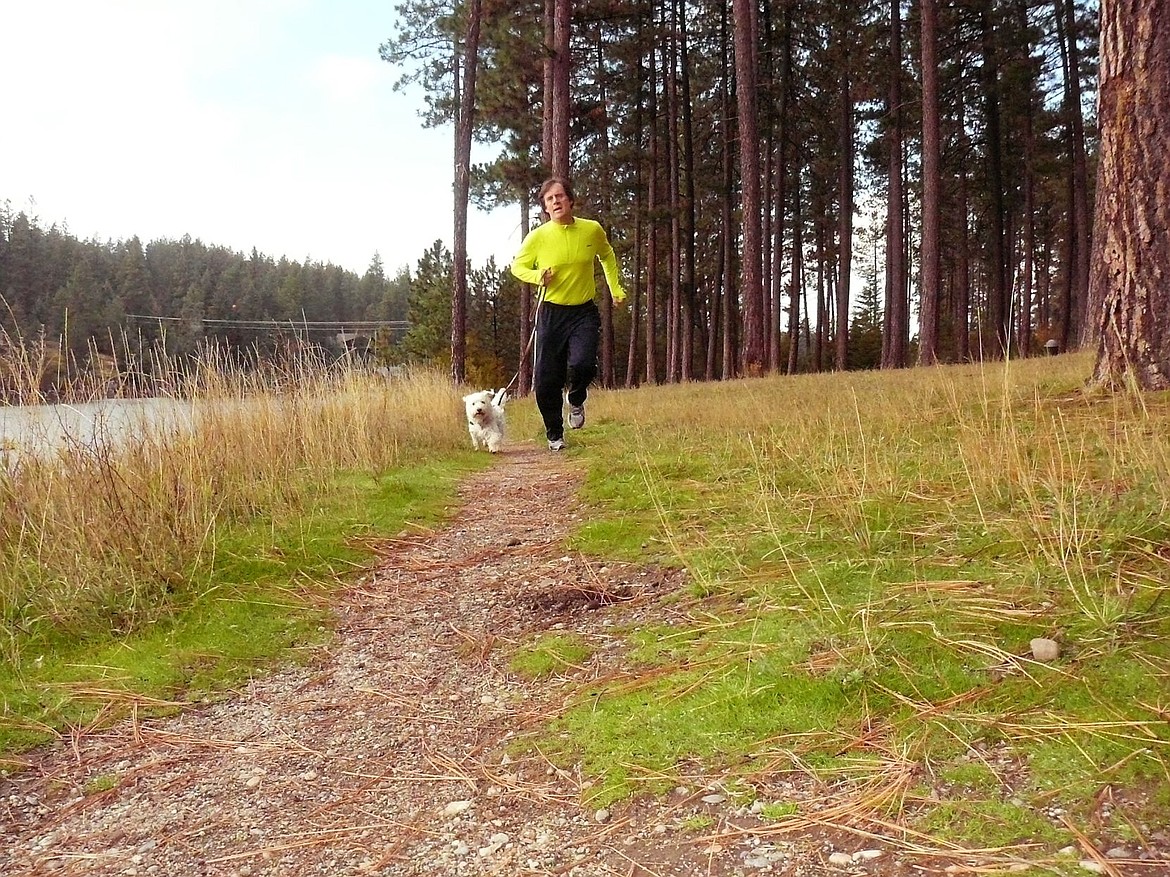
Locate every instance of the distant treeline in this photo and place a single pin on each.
(93, 295)
(100, 314)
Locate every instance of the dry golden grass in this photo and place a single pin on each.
(107, 527)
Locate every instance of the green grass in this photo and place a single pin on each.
(259, 600)
(550, 654)
(870, 556)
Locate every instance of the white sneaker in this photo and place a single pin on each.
(556, 444)
(576, 416)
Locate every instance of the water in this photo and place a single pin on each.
(42, 429)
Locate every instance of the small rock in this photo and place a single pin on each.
(253, 782)
(1045, 649)
(841, 860)
(460, 848)
(1118, 853)
(456, 807)
(714, 799)
(1090, 865)
(867, 855)
(601, 815)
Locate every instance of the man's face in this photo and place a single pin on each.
(557, 204)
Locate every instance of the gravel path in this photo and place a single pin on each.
(389, 754)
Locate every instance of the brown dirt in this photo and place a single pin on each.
(390, 753)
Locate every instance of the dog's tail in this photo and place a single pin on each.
(501, 395)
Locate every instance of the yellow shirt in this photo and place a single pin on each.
(569, 250)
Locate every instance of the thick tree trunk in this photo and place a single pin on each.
(524, 378)
(1129, 284)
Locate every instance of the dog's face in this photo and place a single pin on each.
(479, 405)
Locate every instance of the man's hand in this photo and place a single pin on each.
(618, 295)
(546, 277)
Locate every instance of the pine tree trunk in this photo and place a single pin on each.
(751, 289)
(651, 233)
(1080, 187)
(562, 70)
(674, 306)
(930, 291)
(844, 219)
(462, 189)
(998, 315)
(795, 283)
(1129, 284)
(894, 340)
(726, 278)
(689, 291)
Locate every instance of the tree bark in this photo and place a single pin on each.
(562, 68)
(744, 30)
(463, 130)
(1130, 277)
(844, 220)
(1080, 185)
(998, 315)
(894, 340)
(930, 293)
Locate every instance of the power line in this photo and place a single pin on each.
(295, 325)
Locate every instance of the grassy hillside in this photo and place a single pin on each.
(871, 556)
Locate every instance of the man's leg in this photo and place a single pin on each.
(548, 379)
(583, 341)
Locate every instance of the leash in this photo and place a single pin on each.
(499, 397)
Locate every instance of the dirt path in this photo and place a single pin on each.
(388, 755)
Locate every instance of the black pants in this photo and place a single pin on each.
(566, 352)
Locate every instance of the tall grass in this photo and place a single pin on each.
(113, 532)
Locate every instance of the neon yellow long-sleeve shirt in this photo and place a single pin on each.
(569, 250)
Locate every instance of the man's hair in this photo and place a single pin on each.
(549, 183)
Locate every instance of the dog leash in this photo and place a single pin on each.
(499, 397)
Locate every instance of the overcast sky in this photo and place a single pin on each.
(244, 123)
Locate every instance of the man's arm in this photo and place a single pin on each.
(524, 265)
(609, 268)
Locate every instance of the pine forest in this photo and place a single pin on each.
(790, 186)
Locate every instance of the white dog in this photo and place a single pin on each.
(485, 418)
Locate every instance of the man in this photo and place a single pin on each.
(558, 255)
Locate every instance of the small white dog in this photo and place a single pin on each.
(485, 418)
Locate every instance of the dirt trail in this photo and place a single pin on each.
(388, 755)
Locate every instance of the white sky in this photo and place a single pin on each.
(244, 123)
